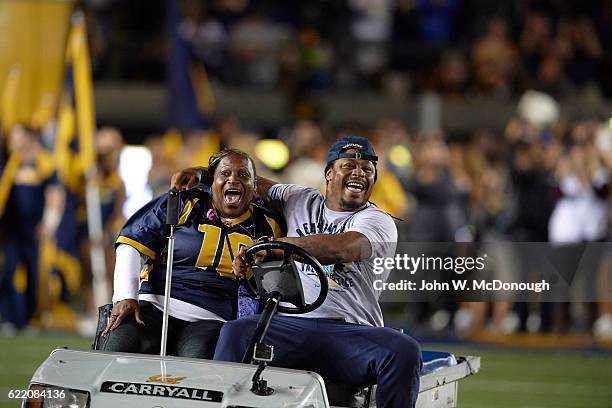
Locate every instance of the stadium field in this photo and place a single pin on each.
(508, 378)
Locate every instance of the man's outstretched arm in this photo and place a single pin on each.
(334, 248)
(327, 248)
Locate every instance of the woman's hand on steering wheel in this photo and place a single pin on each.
(121, 311)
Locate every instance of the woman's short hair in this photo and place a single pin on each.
(216, 158)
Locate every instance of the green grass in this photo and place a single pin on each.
(535, 379)
(21, 355)
(508, 378)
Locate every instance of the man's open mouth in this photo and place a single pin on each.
(355, 186)
(232, 196)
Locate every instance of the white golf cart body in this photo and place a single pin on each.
(136, 380)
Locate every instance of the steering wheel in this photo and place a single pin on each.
(288, 252)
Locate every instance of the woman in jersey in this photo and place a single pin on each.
(204, 293)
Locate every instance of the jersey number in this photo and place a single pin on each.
(215, 253)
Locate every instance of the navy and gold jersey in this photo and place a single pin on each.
(203, 250)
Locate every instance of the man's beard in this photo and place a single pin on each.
(351, 205)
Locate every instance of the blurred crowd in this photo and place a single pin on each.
(461, 48)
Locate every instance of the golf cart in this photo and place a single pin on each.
(76, 378)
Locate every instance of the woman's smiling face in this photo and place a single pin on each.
(233, 185)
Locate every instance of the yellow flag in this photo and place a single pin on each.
(33, 36)
(78, 61)
(68, 168)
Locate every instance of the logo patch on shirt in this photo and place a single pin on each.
(337, 275)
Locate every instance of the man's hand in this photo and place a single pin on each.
(121, 311)
(187, 178)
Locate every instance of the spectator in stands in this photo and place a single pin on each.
(551, 77)
(578, 44)
(453, 75)
(441, 201)
(495, 61)
(33, 203)
(581, 214)
(307, 146)
(535, 40)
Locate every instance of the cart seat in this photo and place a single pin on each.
(436, 360)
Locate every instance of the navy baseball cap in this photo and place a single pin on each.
(366, 150)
